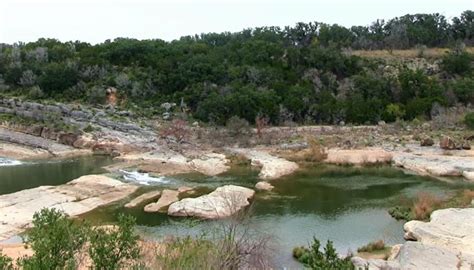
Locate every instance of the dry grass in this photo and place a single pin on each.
(424, 205)
(372, 246)
(410, 53)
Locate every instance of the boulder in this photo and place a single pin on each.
(222, 202)
(210, 164)
(469, 175)
(167, 197)
(263, 185)
(426, 142)
(68, 138)
(146, 197)
(447, 143)
(466, 145)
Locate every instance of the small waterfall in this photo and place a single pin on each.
(9, 162)
(143, 178)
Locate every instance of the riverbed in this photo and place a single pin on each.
(344, 204)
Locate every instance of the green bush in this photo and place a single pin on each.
(401, 213)
(314, 258)
(6, 263)
(469, 120)
(114, 247)
(458, 63)
(55, 240)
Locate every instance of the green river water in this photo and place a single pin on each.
(344, 204)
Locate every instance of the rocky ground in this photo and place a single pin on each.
(426, 149)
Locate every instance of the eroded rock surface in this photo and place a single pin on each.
(74, 198)
(271, 167)
(358, 156)
(143, 198)
(167, 197)
(222, 202)
(445, 242)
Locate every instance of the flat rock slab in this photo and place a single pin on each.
(450, 228)
(272, 167)
(152, 195)
(358, 156)
(222, 202)
(167, 197)
(436, 165)
(74, 198)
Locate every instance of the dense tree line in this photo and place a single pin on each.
(304, 73)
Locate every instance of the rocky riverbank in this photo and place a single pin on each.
(77, 197)
(445, 242)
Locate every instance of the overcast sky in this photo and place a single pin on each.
(97, 20)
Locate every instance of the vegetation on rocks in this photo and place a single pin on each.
(314, 258)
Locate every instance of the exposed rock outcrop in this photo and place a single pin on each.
(210, 164)
(271, 167)
(222, 202)
(146, 197)
(445, 242)
(263, 185)
(74, 198)
(167, 197)
(358, 156)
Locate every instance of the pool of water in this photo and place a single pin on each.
(343, 204)
(16, 175)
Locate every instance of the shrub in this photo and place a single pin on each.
(424, 205)
(176, 130)
(114, 247)
(237, 126)
(55, 240)
(314, 258)
(401, 213)
(372, 246)
(6, 263)
(317, 151)
(457, 63)
(35, 92)
(469, 120)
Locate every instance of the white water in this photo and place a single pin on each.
(9, 162)
(143, 178)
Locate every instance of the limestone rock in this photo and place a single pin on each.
(435, 165)
(447, 143)
(358, 156)
(222, 202)
(469, 175)
(451, 228)
(74, 198)
(185, 189)
(466, 145)
(272, 167)
(210, 164)
(167, 197)
(143, 198)
(426, 142)
(263, 185)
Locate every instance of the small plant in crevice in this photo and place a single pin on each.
(328, 258)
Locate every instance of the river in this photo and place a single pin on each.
(344, 204)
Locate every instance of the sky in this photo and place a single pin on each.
(95, 21)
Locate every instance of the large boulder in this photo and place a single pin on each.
(222, 202)
(167, 197)
(447, 143)
(358, 156)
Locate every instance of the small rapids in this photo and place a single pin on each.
(9, 162)
(143, 178)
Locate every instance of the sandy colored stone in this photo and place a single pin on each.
(210, 164)
(222, 202)
(271, 167)
(143, 198)
(469, 175)
(167, 197)
(434, 164)
(358, 156)
(16, 151)
(74, 198)
(263, 185)
(185, 189)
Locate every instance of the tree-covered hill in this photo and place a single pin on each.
(306, 73)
